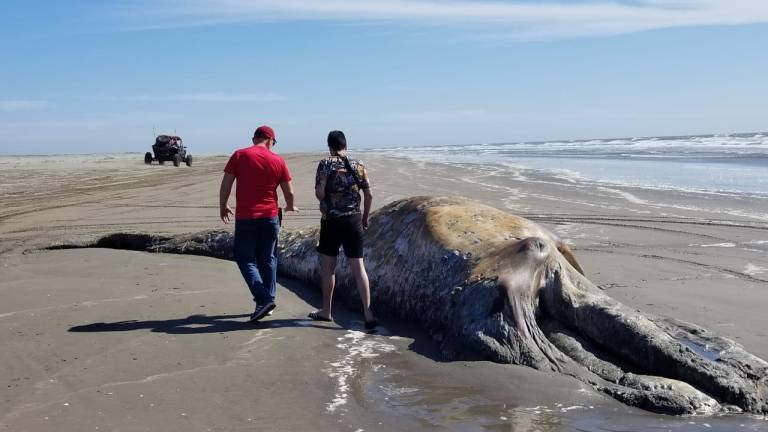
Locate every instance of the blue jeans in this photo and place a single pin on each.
(256, 255)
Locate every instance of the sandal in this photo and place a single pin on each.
(317, 317)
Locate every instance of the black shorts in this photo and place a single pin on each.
(344, 231)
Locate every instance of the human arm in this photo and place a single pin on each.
(287, 188)
(365, 183)
(321, 178)
(320, 190)
(367, 201)
(224, 191)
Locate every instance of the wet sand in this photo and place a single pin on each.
(117, 340)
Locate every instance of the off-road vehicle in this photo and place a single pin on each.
(168, 148)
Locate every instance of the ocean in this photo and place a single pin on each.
(735, 164)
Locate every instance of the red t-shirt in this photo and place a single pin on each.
(258, 172)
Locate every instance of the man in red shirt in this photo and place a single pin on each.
(258, 172)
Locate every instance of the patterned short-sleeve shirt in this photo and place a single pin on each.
(342, 193)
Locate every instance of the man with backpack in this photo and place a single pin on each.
(338, 183)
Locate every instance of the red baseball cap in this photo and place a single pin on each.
(265, 132)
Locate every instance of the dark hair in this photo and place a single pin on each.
(337, 141)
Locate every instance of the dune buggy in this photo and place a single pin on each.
(168, 148)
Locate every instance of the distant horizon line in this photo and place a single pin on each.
(708, 135)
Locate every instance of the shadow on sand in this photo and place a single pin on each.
(196, 324)
(345, 318)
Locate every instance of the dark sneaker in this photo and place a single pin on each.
(262, 311)
(270, 312)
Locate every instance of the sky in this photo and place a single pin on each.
(106, 76)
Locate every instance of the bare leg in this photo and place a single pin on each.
(357, 267)
(327, 283)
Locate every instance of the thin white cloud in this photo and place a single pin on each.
(516, 18)
(23, 105)
(200, 97)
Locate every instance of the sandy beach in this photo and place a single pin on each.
(97, 339)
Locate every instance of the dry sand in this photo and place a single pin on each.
(98, 339)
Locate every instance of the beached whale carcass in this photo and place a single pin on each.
(491, 285)
(496, 286)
